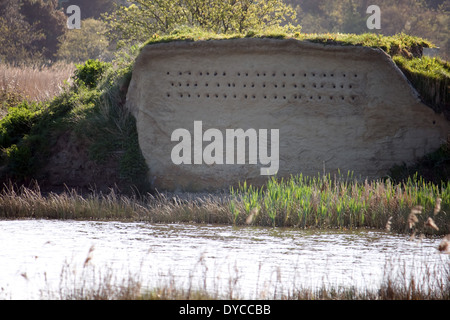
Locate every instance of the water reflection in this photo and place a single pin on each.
(33, 252)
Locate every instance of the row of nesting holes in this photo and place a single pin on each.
(264, 74)
(275, 97)
(252, 85)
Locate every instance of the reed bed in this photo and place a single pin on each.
(415, 206)
(399, 282)
(24, 203)
(344, 202)
(34, 83)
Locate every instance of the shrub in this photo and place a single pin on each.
(17, 123)
(90, 73)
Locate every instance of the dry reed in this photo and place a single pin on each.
(35, 83)
(22, 202)
(399, 282)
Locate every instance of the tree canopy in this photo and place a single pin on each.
(89, 42)
(143, 18)
(35, 30)
(30, 29)
(89, 8)
(428, 19)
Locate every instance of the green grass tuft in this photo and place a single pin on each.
(431, 77)
(340, 202)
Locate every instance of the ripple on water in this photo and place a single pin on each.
(259, 255)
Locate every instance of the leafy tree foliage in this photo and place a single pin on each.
(89, 42)
(30, 29)
(143, 18)
(428, 19)
(89, 8)
(17, 37)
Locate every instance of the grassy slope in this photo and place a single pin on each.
(90, 112)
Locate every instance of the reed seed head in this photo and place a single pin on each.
(416, 210)
(412, 220)
(437, 207)
(388, 224)
(430, 223)
(444, 246)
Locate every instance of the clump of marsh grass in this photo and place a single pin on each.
(343, 202)
(444, 246)
(25, 203)
(301, 202)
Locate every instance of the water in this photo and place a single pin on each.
(251, 262)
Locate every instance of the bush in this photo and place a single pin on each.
(17, 123)
(90, 73)
(93, 109)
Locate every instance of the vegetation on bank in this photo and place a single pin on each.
(399, 282)
(414, 207)
(431, 78)
(397, 44)
(90, 109)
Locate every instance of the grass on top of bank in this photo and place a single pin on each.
(395, 44)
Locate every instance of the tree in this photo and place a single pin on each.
(29, 30)
(143, 18)
(17, 36)
(89, 42)
(428, 19)
(89, 8)
(45, 19)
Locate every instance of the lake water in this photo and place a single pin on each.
(251, 262)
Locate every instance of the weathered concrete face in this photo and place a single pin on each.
(336, 107)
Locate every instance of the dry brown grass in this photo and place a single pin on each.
(22, 203)
(35, 83)
(400, 282)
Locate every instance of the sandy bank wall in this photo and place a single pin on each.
(335, 107)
